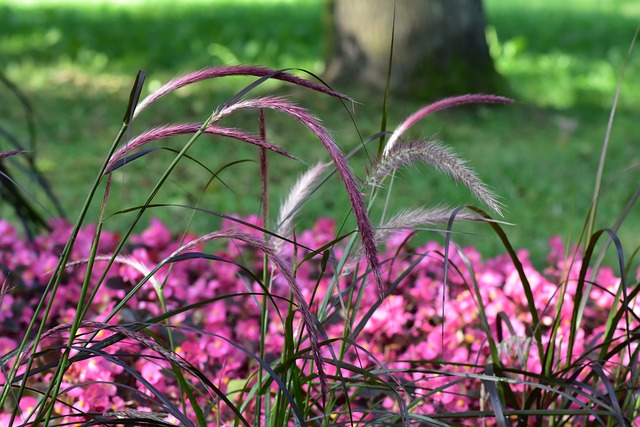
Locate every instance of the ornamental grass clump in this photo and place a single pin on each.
(258, 322)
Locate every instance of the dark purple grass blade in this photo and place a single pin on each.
(189, 128)
(128, 159)
(84, 352)
(31, 219)
(26, 106)
(340, 162)
(10, 153)
(264, 171)
(134, 97)
(31, 170)
(236, 70)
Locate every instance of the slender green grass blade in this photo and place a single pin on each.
(387, 87)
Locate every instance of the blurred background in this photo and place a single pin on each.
(75, 62)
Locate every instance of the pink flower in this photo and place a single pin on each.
(8, 235)
(7, 345)
(397, 239)
(444, 392)
(322, 233)
(390, 318)
(431, 348)
(156, 372)
(156, 236)
(96, 397)
(93, 369)
(215, 315)
(194, 351)
(26, 414)
(218, 348)
(249, 329)
(244, 225)
(408, 326)
(6, 302)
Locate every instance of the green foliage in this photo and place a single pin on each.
(75, 61)
(186, 175)
(564, 54)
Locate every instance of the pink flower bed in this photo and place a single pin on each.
(432, 335)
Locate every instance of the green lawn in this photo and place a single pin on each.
(76, 62)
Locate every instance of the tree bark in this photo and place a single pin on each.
(439, 46)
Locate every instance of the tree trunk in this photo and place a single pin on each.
(439, 46)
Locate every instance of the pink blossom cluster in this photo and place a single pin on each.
(428, 339)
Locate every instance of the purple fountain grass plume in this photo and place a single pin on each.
(441, 105)
(237, 70)
(339, 160)
(190, 128)
(285, 269)
(300, 190)
(439, 156)
(10, 153)
(409, 219)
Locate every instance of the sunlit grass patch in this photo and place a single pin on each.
(565, 54)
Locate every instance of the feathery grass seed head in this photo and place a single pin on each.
(439, 156)
(190, 128)
(340, 162)
(236, 70)
(299, 192)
